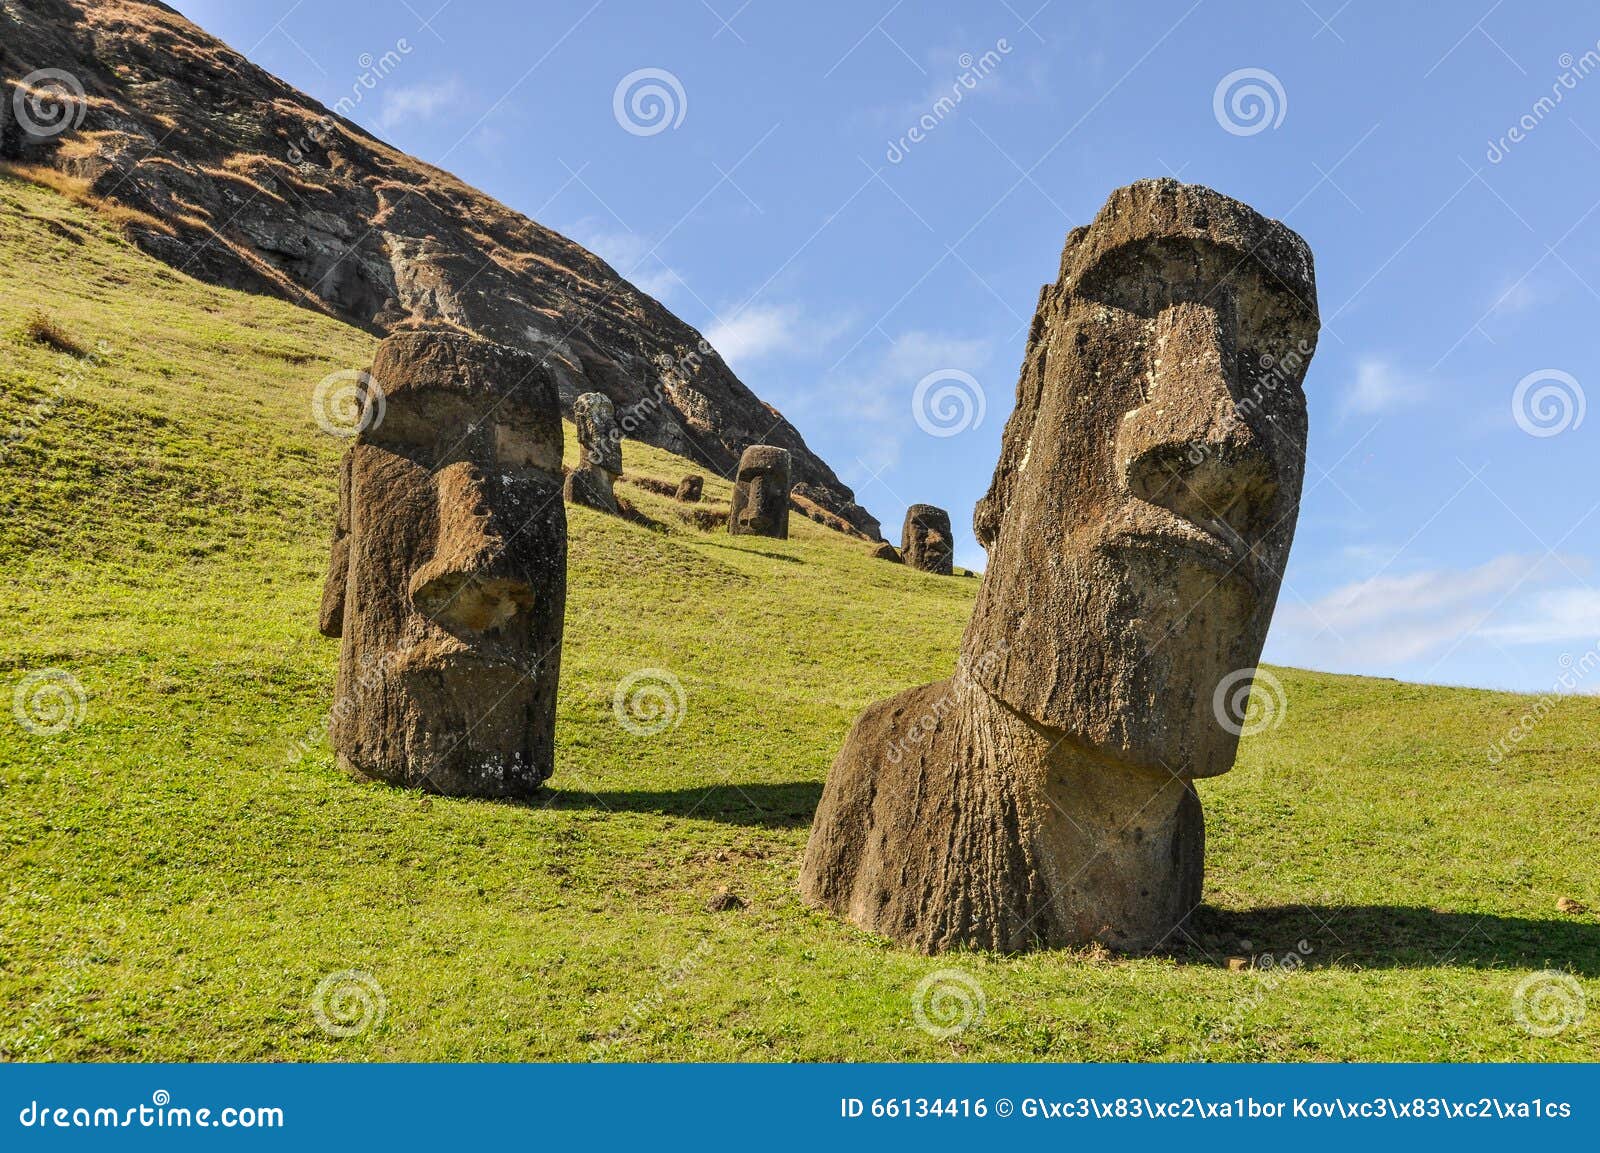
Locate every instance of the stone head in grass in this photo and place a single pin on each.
(599, 453)
(1137, 528)
(447, 581)
(926, 541)
(761, 493)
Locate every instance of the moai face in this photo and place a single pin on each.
(1149, 479)
(598, 434)
(761, 493)
(447, 583)
(926, 541)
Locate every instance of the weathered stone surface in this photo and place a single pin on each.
(447, 577)
(1137, 527)
(926, 541)
(761, 493)
(317, 210)
(690, 488)
(593, 482)
(888, 552)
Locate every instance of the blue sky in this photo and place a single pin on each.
(1453, 203)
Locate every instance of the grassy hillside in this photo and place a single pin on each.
(175, 885)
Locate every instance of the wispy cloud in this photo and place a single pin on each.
(633, 256)
(765, 330)
(1380, 387)
(416, 102)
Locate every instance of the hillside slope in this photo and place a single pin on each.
(184, 867)
(255, 185)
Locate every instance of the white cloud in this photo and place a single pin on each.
(403, 104)
(633, 256)
(1379, 387)
(1558, 615)
(758, 331)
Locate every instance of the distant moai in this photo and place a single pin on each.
(447, 578)
(599, 454)
(690, 487)
(761, 493)
(926, 541)
(1137, 525)
(887, 551)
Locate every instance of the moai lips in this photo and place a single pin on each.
(1137, 526)
(447, 579)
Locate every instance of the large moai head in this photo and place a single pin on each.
(1149, 478)
(599, 453)
(926, 541)
(447, 582)
(761, 493)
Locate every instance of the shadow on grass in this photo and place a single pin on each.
(771, 806)
(1393, 937)
(758, 552)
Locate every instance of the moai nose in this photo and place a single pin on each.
(472, 583)
(1190, 447)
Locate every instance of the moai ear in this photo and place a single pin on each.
(330, 617)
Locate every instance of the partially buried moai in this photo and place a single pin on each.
(447, 581)
(690, 488)
(1137, 527)
(761, 493)
(599, 453)
(926, 541)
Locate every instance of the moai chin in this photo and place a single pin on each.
(761, 493)
(599, 453)
(1137, 526)
(926, 541)
(447, 580)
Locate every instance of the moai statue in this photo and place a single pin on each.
(926, 541)
(1137, 528)
(448, 578)
(690, 488)
(887, 551)
(761, 493)
(599, 453)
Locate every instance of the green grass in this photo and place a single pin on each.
(175, 885)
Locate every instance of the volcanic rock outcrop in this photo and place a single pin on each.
(249, 183)
(1137, 527)
(448, 575)
(761, 493)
